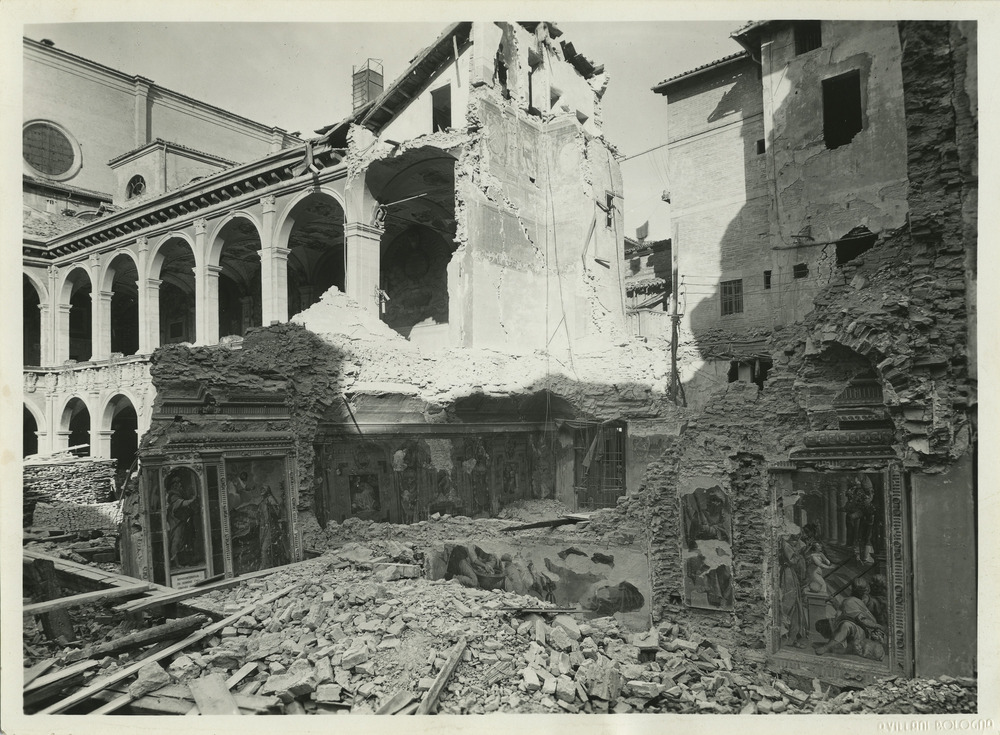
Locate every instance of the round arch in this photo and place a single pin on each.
(120, 416)
(70, 280)
(77, 420)
(120, 277)
(285, 221)
(215, 240)
(157, 257)
(39, 285)
(107, 273)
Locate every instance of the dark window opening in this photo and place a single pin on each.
(599, 472)
(808, 36)
(842, 118)
(761, 146)
(500, 65)
(800, 270)
(767, 280)
(854, 243)
(731, 295)
(441, 109)
(609, 210)
(136, 187)
(750, 371)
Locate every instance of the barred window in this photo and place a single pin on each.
(731, 294)
(808, 36)
(800, 270)
(136, 187)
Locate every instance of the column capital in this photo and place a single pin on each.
(213, 271)
(268, 203)
(154, 282)
(94, 259)
(360, 229)
(106, 295)
(142, 244)
(200, 225)
(64, 308)
(53, 272)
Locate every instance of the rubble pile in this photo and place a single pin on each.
(531, 510)
(77, 517)
(945, 694)
(101, 550)
(63, 478)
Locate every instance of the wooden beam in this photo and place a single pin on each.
(37, 670)
(67, 673)
(396, 702)
(62, 603)
(113, 678)
(430, 699)
(172, 596)
(167, 631)
(96, 576)
(56, 624)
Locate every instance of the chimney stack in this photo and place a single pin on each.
(366, 82)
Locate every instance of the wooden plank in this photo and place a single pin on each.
(242, 674)
(431, 697)
(212, 696)
(396, 702)
(172, 595)
(94, 574)
(66, 673)
(86, 598)
(37, 670)
(127, 671)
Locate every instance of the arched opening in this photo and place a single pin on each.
(32, 324)
(30, 433)
(415, 279)
(417, 194)
(177, 294)
(121, 418)
(76, 420)
(80, 326)
(239, 280)
(316, 251)
(124, 316)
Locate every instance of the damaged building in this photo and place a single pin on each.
(431, 311)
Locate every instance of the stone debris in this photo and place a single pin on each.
(348, 641)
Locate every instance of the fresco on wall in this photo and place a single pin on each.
(258, 513)
(414, 478)
(365, 500)
(597, 581)
(831, 585)
(185, 523)
(707, 556)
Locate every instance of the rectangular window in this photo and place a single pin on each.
(441, 108)
(731, 294)
(761, 146)
(767, 280)
(842, 118)
(808, 36)
(609, 209)
(599, 472)
(800, 270)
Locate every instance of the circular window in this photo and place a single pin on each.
(136, 187)
(49, 150)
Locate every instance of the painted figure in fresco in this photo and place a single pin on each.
(792, 580)
(183, 520)
(364, 498)
(705, 520)
(855, 629)
(817, 563)
(243, 524)
(860, 507)
(466, 566)
(517, 578)
(273, 531)
(607, 598)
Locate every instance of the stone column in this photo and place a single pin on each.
(273, 268)
(45, 334)
(149, 312)
(363, 244)
(62, 441)
(100, 338)
(206, 290)
(52, 425)
(61, 352)
(102, 446)
(50, 322)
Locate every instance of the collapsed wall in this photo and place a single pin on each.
(879, 375)
(74, 481)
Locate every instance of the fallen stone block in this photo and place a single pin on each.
(150, 678)
(565, 689)
(644, 689)
(354, 657)
(549, 687)
(568, 624)
(600, 681)
(328, 693)
(559, 639)
(298, 681)
(324, 670)
(647, 640)
(531, 681)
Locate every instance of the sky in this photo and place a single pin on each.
(297, 75)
